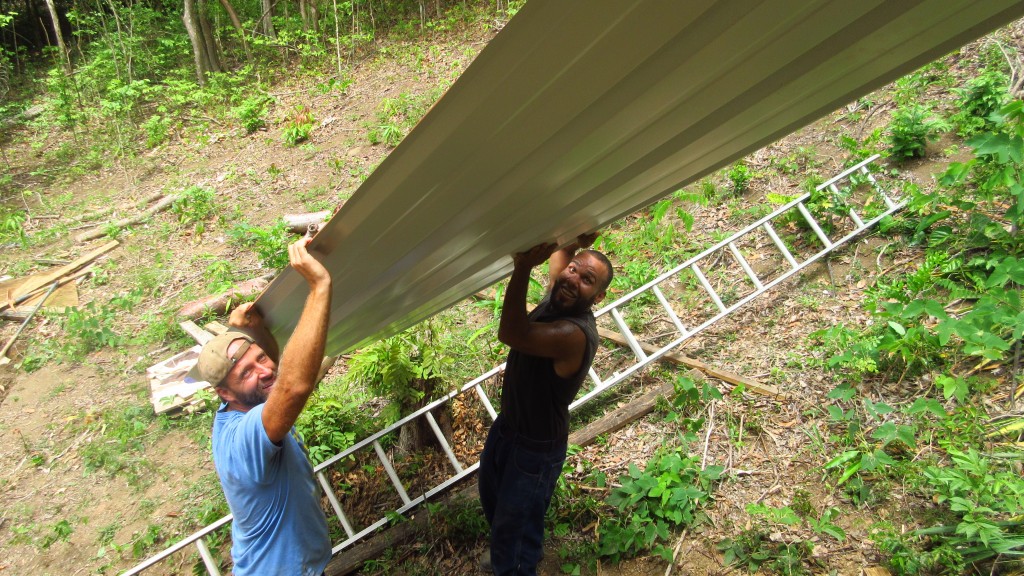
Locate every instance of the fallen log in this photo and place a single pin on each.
(353, 559)
(160, 206)
(218, 304)
(724, 375)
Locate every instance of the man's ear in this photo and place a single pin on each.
(226, 395)
(599, 297)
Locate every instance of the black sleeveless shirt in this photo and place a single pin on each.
(534, 398)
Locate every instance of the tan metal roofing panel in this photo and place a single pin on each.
(579, 113)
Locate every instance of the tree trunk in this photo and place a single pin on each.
(266, 23)
(417, 435)
(226, 4)
(213, 55)
(314, 16)
(65, 58)
(198, 45)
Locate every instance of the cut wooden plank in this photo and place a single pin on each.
(198, 334)
(66, 295)
(3, 352)
(216, 327)
(724, 375)
(168, 389)
(38, 282)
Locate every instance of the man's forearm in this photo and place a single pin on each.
(300, 362)
(514, 321)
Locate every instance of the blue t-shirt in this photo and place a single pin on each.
(279, 528)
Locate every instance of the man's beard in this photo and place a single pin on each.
(578, 306)
(254, 398)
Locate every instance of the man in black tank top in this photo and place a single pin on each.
(552, 349)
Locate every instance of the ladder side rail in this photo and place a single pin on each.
(177, 546)
(707, 251)
(861, 166)
(359, 535)
(208, 561)
(412, 416)
(620, 376)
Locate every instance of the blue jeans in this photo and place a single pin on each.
(516, 479)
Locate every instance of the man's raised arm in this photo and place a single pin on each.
(300, 361)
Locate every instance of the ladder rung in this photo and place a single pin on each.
(390, 469)
(594, 377)
(633, 344)
(332, 497)
(486, 401)
(444, 443)
(878, 189)
(204, 552)
(707, 286)
(778, 244)
(814, 225)
(668, 310)
(746, 266)
(856, 219)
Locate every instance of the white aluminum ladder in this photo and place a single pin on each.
(806, 247)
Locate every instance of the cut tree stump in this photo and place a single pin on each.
(299, 223)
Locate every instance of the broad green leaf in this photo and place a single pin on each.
(927, 405)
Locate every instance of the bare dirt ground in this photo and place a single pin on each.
(47, 415)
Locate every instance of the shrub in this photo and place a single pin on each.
(911, 129)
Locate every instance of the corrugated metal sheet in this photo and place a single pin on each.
(581, 112)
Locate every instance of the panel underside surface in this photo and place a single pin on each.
(581, 112)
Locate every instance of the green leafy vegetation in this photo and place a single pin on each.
(298, 127)
(665, 496)
(269, 243)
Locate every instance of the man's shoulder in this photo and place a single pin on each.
(228, 421)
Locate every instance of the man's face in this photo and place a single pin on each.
(251, 378)
(577, 287)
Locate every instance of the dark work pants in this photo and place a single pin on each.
(516, 479)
